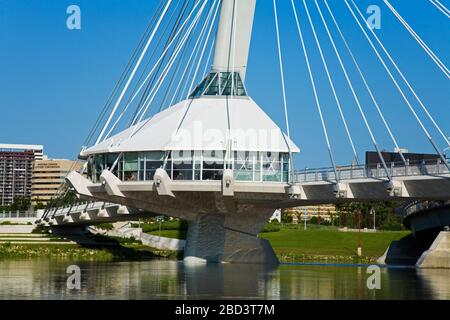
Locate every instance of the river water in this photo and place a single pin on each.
(163, 279)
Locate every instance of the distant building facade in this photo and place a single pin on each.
(323, 212)
(48, 176)
(16, 170)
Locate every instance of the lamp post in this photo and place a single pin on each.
(372, 212)
(304, 217)
(159, 219)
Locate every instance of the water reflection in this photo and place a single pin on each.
(161, 279)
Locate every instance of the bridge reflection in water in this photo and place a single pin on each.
(160, 279)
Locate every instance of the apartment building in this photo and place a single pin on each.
(48, 176)
(16, 170)
(323, 212)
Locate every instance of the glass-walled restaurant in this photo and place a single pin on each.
(192, 165)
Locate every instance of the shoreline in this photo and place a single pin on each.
(83, 253)
(137, 252)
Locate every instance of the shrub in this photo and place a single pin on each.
(271, 227)
(40, 229)
(105, 226)
(165, 225)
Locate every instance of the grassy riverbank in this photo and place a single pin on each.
(175, 234)
(112, 249)
(327, 244)
(291, 244)
(318, 243)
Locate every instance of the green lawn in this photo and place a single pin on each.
(175, 234)
(319, 243)
(325, 242)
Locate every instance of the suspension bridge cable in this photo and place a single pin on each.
(419, 40)
(175, 76)
(186, 89)
(330, 80)
(207, 64)
(187, 71)
(199, 63)
(127, 69)
(319, 107)
(157, 63)
(151, 83)
(374, 142)
(399, 71)
(63, 190)
(231, 69)
(176, 93)
(163, 76)
(200, 48)
(398, 87)
(136, 90)
(208, 60)
(363, 77)
(190, 66)
(369, 129)
(283, 89)
(138, 63)
(187, 35)
(441, 7)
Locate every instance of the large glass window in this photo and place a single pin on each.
(271, 166)
(149, 162)
(192, 165)
(182, 165)
(244, 165)
(261, 166)
(285, 166)
(130, 166)
(213, 164)
(220, 84)
(198, 165)
(99, 166)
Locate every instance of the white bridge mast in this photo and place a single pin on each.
(236, 20)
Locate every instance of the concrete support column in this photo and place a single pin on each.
(228, 238)
(438, 255)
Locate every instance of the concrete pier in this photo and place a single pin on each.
(426, 250)
(438, 255)
(228, 238)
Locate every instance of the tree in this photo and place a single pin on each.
(39, 205)
(386, 217)
(285, 217)
(21, 204)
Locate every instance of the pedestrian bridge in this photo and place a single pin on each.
(416, 181)
(209, 154)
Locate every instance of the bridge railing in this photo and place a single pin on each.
(80, 207)
(395, 169)
(17, 214)
(420, 205)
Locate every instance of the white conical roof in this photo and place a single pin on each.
(202, 124)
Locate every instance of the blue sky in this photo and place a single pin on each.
(53, 81)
